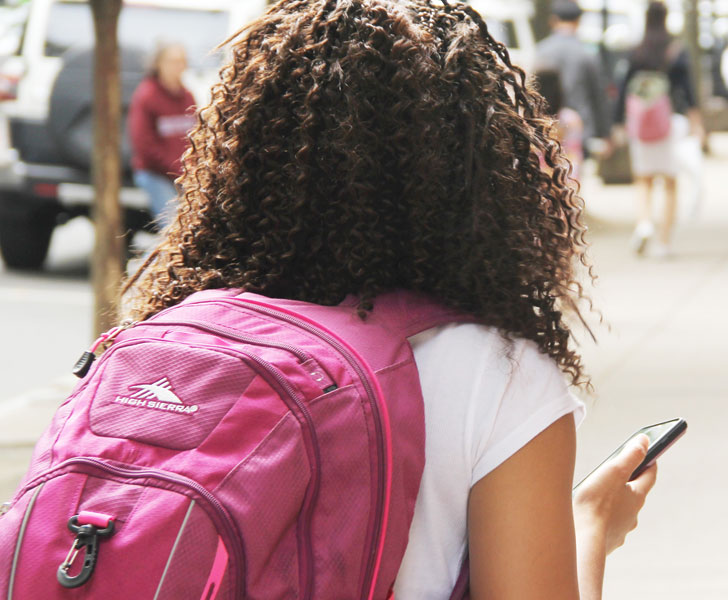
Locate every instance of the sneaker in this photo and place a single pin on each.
(661, 251)
(641, 236)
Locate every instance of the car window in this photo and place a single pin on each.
(70, 25)
(503, 31)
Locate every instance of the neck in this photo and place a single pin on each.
(174, 86)
(566, 28)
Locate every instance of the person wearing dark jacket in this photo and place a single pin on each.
(160, 115)
(581, 73)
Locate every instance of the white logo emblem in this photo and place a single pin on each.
(161, 390)
(157, 396)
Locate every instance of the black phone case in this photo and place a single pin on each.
(659, 447)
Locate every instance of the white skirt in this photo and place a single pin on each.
(660, 158)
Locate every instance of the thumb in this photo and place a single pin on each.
(633, 453)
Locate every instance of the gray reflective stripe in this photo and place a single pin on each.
(19, 543)
(174, 549)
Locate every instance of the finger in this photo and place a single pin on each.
(632, 454)
(646, 481)
(641, 441)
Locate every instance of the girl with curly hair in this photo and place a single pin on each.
(363, 146)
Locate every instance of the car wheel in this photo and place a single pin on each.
(24, 239)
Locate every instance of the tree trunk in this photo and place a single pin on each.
(106, 266)
(691, 33)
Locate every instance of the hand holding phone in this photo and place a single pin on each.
(606, 504)
(661, 436)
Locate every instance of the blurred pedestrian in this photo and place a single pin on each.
(569, 126)
(582, 77)
(159, 118)
(657, 102)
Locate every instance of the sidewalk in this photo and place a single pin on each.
(22, 421)
(664, 354)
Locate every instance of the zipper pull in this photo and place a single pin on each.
(83, 364)
(319, 375)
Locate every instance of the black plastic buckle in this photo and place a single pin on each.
(87, 536)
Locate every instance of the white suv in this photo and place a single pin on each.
(46, 104)
(510, 23)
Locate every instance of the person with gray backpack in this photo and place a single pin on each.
(658, 106)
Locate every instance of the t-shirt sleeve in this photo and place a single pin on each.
(535, 396)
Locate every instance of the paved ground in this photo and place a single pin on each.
(666, 355)
(46, 317)
(663, 354)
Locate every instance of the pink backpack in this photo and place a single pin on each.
(648, 106)
(231, 447)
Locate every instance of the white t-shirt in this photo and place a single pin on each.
(484, 401)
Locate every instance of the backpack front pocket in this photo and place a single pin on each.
(184, 538)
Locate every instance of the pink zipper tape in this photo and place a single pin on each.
(212, 587)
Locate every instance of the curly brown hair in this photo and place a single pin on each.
(358, 146)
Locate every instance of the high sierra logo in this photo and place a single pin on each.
(158, 396)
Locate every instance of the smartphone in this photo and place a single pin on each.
(661, 435)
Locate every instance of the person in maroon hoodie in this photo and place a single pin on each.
(159, 117)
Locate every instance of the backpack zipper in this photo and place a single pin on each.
(381, 421)
(224, 523)
(231, 333)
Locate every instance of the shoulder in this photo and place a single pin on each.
(492, 393)
(552, 44)
(462, 339)
(677, 48)
(545, 43)
(465, 337)
(475, 351)
(146, 90)
(677, 54)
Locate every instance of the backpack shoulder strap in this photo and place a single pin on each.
(411, 313)
(405, 312)
(380, 338)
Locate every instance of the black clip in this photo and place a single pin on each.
(86, 536)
